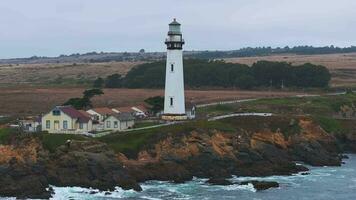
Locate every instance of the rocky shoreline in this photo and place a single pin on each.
(27, 169)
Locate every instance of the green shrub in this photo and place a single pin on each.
(5, 135)
(330, 125)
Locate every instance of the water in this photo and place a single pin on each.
(323, 183)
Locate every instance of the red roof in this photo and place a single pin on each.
(84, 113)
(142, 108)
(104, 111)
(127, 109)
(73, 113)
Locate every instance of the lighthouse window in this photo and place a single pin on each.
(171, 102)
(172, 67)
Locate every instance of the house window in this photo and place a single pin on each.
(171, 101)
(48, 124)
(65, 124)
(116, 124)
(172, 67)
(108, 124)
(56, 112)
(81, 125)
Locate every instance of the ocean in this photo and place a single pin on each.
(323, 183)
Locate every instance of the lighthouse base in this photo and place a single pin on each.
(174, 117)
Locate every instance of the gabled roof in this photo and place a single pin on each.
(127, 109)
(73, 113)
(103, 111)
(124, 116)
(85, 113)
(141, 108)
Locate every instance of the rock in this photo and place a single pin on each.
(19, 180)
(219, 181)
(89, 164)
(261, 185)
(343, 156)
(305, 173)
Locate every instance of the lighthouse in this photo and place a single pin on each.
(174, 100)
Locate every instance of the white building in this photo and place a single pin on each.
(119, 122)
(31, 124)
(174, 101)
(66, 119)
(139, 111)
(99, 114)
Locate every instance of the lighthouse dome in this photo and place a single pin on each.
(174, 28)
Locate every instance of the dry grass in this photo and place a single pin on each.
(342, 66)
(60, 74)
(32, 100)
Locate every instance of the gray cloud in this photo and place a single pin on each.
(50, 28)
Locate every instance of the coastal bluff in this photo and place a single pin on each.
(248, 146)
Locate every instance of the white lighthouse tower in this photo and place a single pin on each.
(174, 100)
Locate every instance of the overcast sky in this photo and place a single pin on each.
(54, 27)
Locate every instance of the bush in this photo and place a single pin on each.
(203, 73)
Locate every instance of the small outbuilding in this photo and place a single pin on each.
(119, 122)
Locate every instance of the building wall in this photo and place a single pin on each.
(100, 117)
(71, 124)
(121, 125)
(126, 124)
(174, 87)
(52, 118)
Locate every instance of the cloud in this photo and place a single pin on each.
(42, 27)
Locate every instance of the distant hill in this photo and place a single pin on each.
(94, 57)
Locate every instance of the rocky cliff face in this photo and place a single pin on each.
(82, 163)
(26, 169)
(214, 153)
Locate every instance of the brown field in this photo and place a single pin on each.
(341, 66)
(35, 88)
(60, 74)
(33, 101)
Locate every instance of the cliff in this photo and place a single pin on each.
(239, 146)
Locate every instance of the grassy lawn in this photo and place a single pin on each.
(52, 141)
(5, 134)
(145, 124)
(216, 110)
(325, 105)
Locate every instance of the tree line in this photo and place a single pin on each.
(204, 73)
(265, 51)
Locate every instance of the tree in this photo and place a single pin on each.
(113, 81)
(92, 92)
(98, 83)
(78, 103)
(85, 101)
(156, 103)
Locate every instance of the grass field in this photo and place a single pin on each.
(60, 74)
(34, 100)
(342, 67)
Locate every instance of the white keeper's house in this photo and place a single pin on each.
(66, 119)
